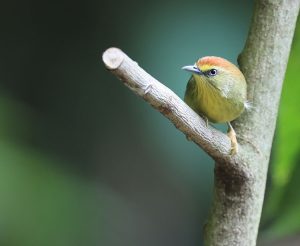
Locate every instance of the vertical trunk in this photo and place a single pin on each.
(238, 197)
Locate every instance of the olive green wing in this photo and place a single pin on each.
(190, 90)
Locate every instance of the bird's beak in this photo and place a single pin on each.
(193, 69)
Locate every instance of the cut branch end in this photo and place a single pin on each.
(112, 58)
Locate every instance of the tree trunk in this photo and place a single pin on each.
(238, 199)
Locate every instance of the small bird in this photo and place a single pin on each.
(217, 91)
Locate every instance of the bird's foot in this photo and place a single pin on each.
(206, 120)
(234, 144)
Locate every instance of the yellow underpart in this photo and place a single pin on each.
(208, 101)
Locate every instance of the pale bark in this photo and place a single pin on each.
(240, 179)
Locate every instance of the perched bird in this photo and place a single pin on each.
(217, 91)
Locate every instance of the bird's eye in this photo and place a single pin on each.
(212, 72)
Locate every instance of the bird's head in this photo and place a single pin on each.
(217, 71)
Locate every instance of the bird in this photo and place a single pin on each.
(217, 91)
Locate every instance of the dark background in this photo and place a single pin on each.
(83, 161)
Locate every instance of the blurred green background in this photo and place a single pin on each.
(83, 161)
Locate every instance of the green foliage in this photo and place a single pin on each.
(40, 203)
(289, 120)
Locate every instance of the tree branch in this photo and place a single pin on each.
(214, 142)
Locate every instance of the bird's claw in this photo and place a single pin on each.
(206, 120)
(234, 144)
(233, 148)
